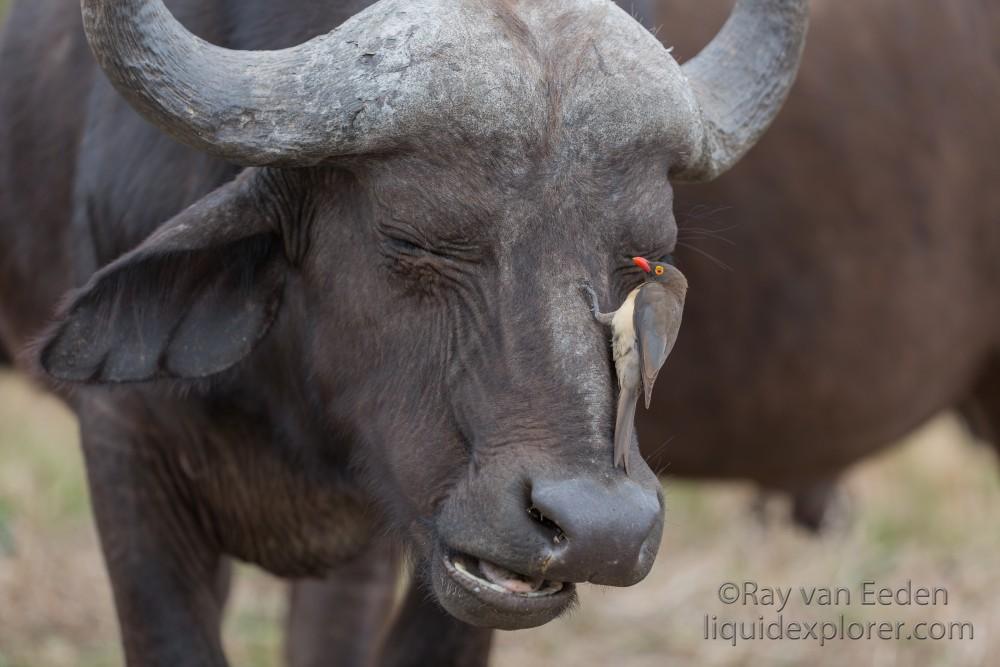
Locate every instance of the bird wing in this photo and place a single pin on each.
(625, 425)
(657, 320)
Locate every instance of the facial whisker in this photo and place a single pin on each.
(715, 260)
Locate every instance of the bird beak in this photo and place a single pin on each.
(642, 264)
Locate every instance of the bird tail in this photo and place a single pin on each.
(624, 425)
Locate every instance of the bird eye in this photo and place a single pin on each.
(659, 270)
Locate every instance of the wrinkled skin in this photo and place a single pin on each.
(426, 365)
(865, 237)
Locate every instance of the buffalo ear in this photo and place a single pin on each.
(191, 301)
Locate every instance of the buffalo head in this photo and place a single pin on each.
(427, 186)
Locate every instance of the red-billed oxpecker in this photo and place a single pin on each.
(643, 332)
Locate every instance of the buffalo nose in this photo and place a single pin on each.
(602, 533)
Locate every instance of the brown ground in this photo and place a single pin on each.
(927, 513)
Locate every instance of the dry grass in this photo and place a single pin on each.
(927, 512)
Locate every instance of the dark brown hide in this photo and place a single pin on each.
(863, 246)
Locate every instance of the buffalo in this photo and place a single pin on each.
(309, 275)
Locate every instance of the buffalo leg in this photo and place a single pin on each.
(977, 419)
(425, 634)
(167, 580)
(340, 620)
(816, 506)
(983, 411)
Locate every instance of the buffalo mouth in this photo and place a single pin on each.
(477, 572)
(483, 593)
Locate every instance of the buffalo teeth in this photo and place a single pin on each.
(502, 580)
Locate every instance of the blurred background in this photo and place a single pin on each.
(924, 511)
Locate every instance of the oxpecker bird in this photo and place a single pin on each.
(643, 332)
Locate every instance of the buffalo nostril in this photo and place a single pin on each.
(603, 529)
(551, 527)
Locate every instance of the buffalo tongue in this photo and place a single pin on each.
(512, 581)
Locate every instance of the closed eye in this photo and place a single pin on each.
(404, 240)
(406, 246)
(401, 243)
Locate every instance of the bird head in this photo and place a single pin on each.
(655, 271)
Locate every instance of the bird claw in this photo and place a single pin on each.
(589, 292)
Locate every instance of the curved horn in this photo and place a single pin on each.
(741, 80)
(293, 107)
